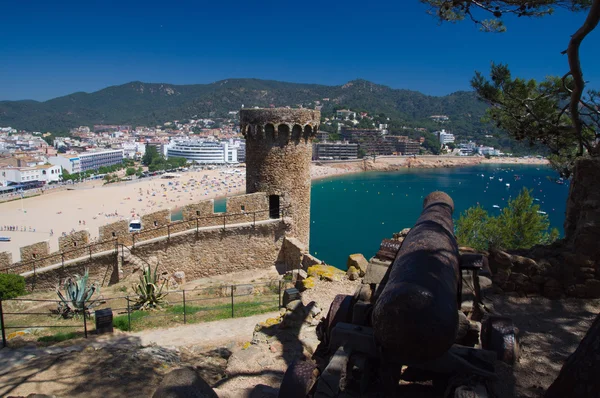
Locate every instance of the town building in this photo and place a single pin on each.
(20, 175)
(335, 150)
(204, 151)
(408, 147)
(445, 137)
(69, 162)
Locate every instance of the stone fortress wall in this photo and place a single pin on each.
(278, 159)
(240, 209)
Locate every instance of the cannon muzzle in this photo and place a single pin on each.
(415, 318)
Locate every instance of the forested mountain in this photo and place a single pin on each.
(149, 104)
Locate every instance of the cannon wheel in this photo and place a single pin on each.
(499, 334)
(298, 379)
(340, 310)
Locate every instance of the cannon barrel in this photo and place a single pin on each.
(415, 318)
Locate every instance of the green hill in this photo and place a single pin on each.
(149, 104)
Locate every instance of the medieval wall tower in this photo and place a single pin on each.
(278, 159)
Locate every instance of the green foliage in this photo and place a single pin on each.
(11, 286)
(458, 10)
(121, 322)
(151, 155)
(148, 295)
(77, 297)
(130, 171)
(519, 225)
(58, 337)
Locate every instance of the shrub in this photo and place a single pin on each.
(519, 225)
(11, 286)
(58, 337)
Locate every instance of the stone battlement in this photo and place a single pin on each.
(279, 124)
(240, 209)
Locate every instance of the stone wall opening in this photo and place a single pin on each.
(274, 206)
(283, 134)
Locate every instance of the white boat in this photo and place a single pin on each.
(500, 179)
(496, 206)
(491, 178)
(4, 238)
(542, 212)
(507, 185)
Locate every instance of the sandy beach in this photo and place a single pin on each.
(89, 205)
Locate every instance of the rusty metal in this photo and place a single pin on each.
(499, 334)
(415, 319)
(388, 249)
(298, 379)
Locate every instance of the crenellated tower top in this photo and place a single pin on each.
(279, 125)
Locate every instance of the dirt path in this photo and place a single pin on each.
(208, 334)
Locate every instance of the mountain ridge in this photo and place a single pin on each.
(140, 103)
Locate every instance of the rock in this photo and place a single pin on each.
(302, 275)
(376, 271)
(351, 270)
(518, 278)
(363, 293)
(315, 310)
(499, 260)
(552, 289)
(325, 272)
(578, 290)
(592, 288)
(184, 383)
(308, 283)
(293, 305)
(404, 232)
(359, 262)
(353, 276)
(501, 277)
(244, 290)
(179, 277)
(509, 286)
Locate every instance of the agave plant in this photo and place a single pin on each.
(77, 297)
(148, 295)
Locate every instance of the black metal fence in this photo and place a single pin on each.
(39, 317)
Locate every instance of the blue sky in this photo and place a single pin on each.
(54, 48)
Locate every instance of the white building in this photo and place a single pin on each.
(444, 137)
(19, 175)
(204, 152)
(70, 163)
(133, 150)
(488, 150)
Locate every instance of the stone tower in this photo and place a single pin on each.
(278, 158)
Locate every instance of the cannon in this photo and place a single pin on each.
(406, 322)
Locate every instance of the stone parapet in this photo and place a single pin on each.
(74, 245)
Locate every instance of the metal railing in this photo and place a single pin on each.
(183, 305)
(54, 259)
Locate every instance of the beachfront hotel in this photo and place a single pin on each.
(205, 151)
(91, 160)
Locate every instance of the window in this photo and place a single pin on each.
(114, 234)
(243, 208)
(197, 212)
(34, 256)
(74, 244)
(155, 223)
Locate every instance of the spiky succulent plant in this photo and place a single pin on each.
(77, 297)
(148, 294)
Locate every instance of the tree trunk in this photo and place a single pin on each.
(579, 375)
(582, 221)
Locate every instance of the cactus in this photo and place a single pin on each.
(148, 295)
(77, 298)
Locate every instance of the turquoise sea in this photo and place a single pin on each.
(353, 213)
